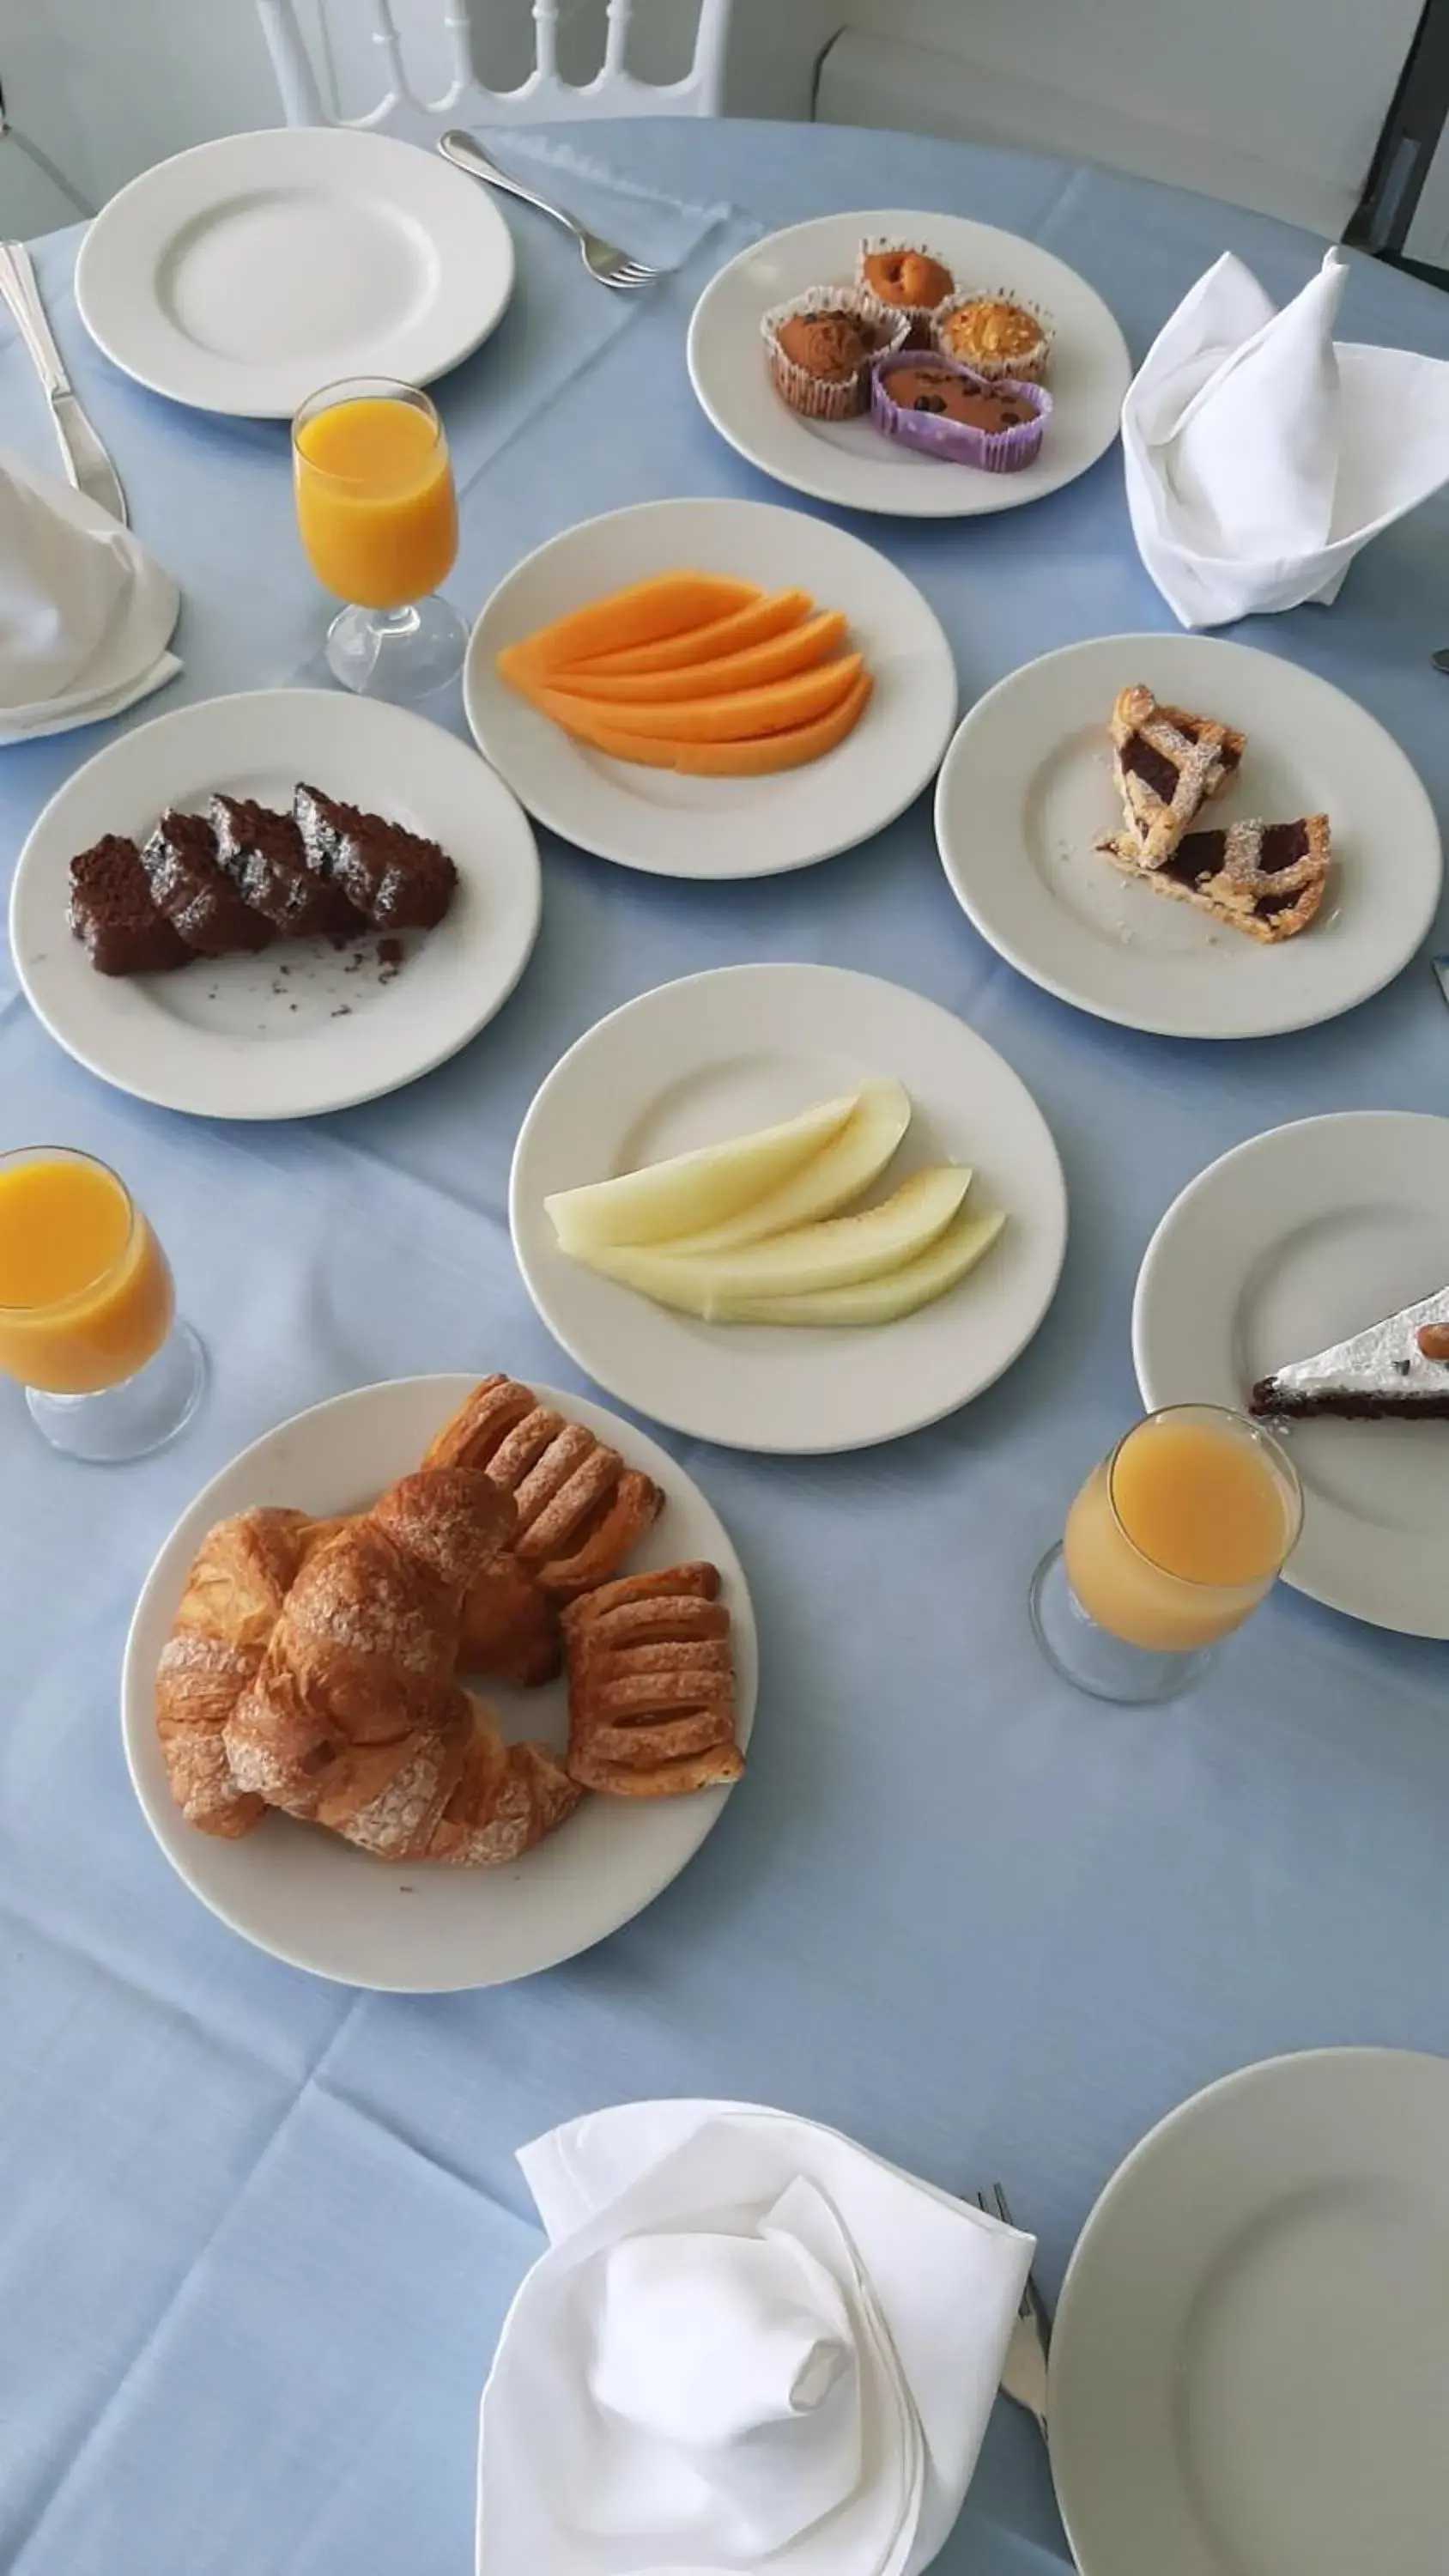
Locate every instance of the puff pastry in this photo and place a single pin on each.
(651, 1685)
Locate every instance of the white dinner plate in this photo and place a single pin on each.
(1293, 1241)
(848, 462)
(306, 1026)
(1250, 2361)
(311, 1898)
(717, 1055)
(720, 827)
(244, 274)
(1026, 791)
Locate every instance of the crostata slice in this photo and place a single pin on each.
(1166, 762)
(1267, 879)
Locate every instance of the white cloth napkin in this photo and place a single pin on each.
(85, 612)
(1261, 454)
(750, 2341)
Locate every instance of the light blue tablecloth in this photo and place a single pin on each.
(257, 2233)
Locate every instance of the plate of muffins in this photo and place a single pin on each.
(273, 905)
(916, 364)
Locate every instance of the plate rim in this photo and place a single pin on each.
(1000, 500)
(1146, 1024)
(725, 503)
(1261, 2072)
(1247, 1150)
(220, 145)
(136, 1685)
(794, 1447)
(323, 1105)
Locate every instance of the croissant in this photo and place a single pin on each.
(234, 1592)
(354, 1720)
(580, 1509)
(651, 1685)
(510, 1628)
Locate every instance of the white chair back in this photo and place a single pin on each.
(614, 91)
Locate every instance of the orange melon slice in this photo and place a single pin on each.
(734, 717)
(668, 603)
(798, 649)
(733, 634)
(750, 759)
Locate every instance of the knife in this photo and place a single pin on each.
(86, 462)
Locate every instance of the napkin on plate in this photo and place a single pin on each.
(85, 612)
(749, 2341)
(1261, 454)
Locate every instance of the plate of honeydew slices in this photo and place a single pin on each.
(788, 1208)
(916, 364)
(276, 904)
(1188, 836)
(711, 688)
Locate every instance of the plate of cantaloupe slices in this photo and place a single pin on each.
(788, 1208)
(711, 688)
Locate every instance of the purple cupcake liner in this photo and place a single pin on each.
(955, 442)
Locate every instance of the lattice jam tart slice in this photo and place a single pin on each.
(1267, 879)
(1167, 762)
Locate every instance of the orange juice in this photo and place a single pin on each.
(1174, 1539)
(375, 498)
(85, 1290)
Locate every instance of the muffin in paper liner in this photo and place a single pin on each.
(958, 442)
(823, 397)
(1027, 365)
(917, 317)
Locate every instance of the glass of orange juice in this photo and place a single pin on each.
(1170, 1545)
(87, 1312)
(379, 521)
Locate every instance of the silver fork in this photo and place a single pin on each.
(603, 259)
(1025, 2375)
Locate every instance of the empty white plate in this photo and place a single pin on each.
(1250, 2362)
(1291, 1242)
(720, 827)
(847, 461)
(244, 274)
(309, 1897)
(716, 1055)
(1026, 792)
(306, 1026)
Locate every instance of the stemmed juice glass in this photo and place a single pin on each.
(379, 520)
(1170, 1545)
(87, 1310)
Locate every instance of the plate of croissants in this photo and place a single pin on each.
(304, 1688)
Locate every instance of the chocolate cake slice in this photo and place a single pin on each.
(1267, 879)
(196, 896)
(261, 851)
(1395, 1368)
(112, 911)
(399, 880)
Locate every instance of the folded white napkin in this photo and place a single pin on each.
(85, 612)
(749, 2341)
(1260, 454)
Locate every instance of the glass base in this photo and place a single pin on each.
(397, 653)
(132, 1419)
(1092, 1659)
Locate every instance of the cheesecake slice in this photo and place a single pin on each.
(1397, 1367)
